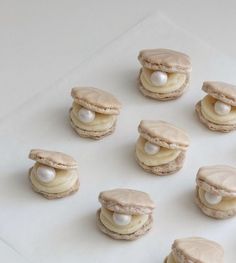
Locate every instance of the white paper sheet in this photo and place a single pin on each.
(65, 230)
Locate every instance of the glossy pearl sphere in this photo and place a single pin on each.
(212, 199)
(151, 149)
(159, 78)
(85, 115)
(121, 219)
(222, 108)
(45, 174)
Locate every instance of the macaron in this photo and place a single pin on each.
(195, 250)
(54, 174)
(216, 191)
(165, 73)
(94, 112)
(217, 110)
(125, 214)
(161, 147)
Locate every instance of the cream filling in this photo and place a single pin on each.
(64, 180)
(136, 223)
(208, 111)
(102, 122)
(227, 203)
(164, 156)
(174, 82)
(171, 259)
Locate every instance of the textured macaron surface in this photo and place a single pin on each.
(171, 60)
(127, 201)
(221, 91)
(96, 99)
(54, 159)
(222, 177)
(165, 134)
(198, 250)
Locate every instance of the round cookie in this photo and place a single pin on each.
(125, 214)
(217, 110)
(216, 191)
(161, 147)
(195, 250)
(94, 112)
(54, 174)
(165, 73)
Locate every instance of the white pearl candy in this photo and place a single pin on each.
(121, 219)
(212, 199)
(151, 149)
(159, 78)
(85, 115)
(222, 108)
(45, 174)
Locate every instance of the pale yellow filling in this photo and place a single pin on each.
(136, 223)
(174, 82)
(207, 109)
(162, 157)
(64, 180)
(171, 259)
(101, 122)
(226, 203)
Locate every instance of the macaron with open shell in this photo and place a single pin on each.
(165, 73)
(125, 213)
(54, 174)
(94, 112)
(161, 147)
(216, 191)
(217, 110)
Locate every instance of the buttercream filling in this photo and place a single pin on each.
(102, 122)
(227, 203)
(174, 82)
(136, 222)
(208, 111)
(64, 180)
(164, 156)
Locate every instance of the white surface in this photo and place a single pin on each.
(65, 230)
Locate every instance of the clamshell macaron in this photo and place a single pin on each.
(217, 110)
(216, 191)
(125, 213)
(54, 174)
(94, 112)
(161, 147)
(165, 73)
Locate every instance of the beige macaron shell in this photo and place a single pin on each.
(165, 60)
(96, 100)
(127, 201)
(164, 134)
(197, 250)
(54, 159)
(222, 91)
(218, 179)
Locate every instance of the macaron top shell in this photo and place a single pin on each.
(127, 201)
(53, 159)
(218, 179)
(96, 100)
(164, 134)
(165, 60)
(198, 250)
(221, 91)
